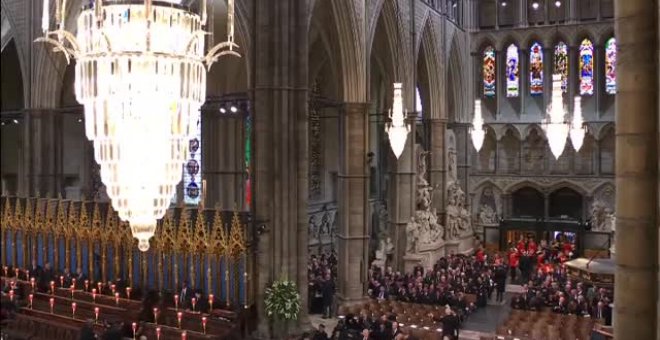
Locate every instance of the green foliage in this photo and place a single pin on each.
(283, 300)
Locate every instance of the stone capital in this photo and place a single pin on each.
(354, 108)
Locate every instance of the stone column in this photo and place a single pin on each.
(402, 194)
(353, 182)
(279, 93)
(42, 150)
(437, 167)
(636, 290)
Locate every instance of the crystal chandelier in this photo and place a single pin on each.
(555, 126)
(141, 77)
(577, 129)
(397, 129)
(478, 133)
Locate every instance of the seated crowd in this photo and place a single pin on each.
(322, 273)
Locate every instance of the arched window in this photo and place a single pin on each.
(610, 66)
(586, 68)
(561, 64)
(489, 74)
(512, 69)
(536, 69)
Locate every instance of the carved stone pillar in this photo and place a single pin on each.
(402, 194)
(353, 183)
(438, 168)
(637, 212)
(279, 94)
(42, 147)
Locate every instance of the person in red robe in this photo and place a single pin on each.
(480, 255)
(513, 263)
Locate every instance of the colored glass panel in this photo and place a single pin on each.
(586, 67)
(489, 72)
(512, 71)
(248, 161)
(536, 69)
(192, 170)
(561, 64)
(610, 66)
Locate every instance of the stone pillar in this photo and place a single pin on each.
(43, 151)
(402, 195)
(353, 182)
(437, 167)
(279, 94)
(463, 145)
(636, 289)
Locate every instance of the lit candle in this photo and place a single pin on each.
(179, 315)
(73, 282)
(6, 270)
(27, 274)
(31, 297)
(204, 323)
(193, 301)
(11, 295)
(155, 315)
(52, 287)
(112, 288)
(73, 309)
(73, 289)
(52, 304)
(157, 333)
(210, 303)
(100, 287)
(94, 294)
(96, 314)
(16, 270)
(61, 281)
(176, 301)
(134, 329)
(117, 299)
(128, 293)
(86, 285)
(183, 335)
(32, 283)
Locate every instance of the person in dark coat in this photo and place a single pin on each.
(450, 324)
(328, 291)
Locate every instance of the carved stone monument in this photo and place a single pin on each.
(602, 217)
(459, 233)
(424, 233)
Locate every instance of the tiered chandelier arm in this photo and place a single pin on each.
(555, 126)
(577, 129)
(141, 77)
(397, 129)
(478, 134)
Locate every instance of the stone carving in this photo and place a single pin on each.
(458, 217)
(487, 215)
(504, 182)
(385, 247)
(602, 217)
(423, 227)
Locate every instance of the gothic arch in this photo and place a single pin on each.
(511, 188)
(567, 184)
(432, 74)
(459, 94)
(349, 18)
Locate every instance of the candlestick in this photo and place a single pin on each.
(176, 301)
(96, 314)
(128, 293)
(32, 283)
(61, 281)
(179, 315)
(16, 270)
(73, 282)
(73, 309)
(184, 335)
(94, 295)
(86, 285)
(100, 287)
(27, 274)
(73, 289)
(112, 288)
(117, 299)
(155, 315)
(52, 287)
(210, 303)
(134, 329)
(52, 304)
(204, 323)
(194, 302)
(6, 270)
(157, 333)
(11, 295)
(30, 298)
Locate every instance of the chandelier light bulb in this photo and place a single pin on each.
(478, 134)
(557, 3)
(556, 129)
(503, 3)
(535, 5)
(577, 129)
(141, 78)
(397, 129)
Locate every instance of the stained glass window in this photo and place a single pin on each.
(536, 69)
(489, 71)
(192, 170)
(561, 64)
(610, 66)
(248, 161)
(586, 67)
(512, 68)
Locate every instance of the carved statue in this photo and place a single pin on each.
(602, 217)
(412, 236)
(487, 215)
(458, 217)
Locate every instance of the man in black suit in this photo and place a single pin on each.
(328, 291)
(201, 303)
(185, 295)
(35, 270)
(450, 324)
